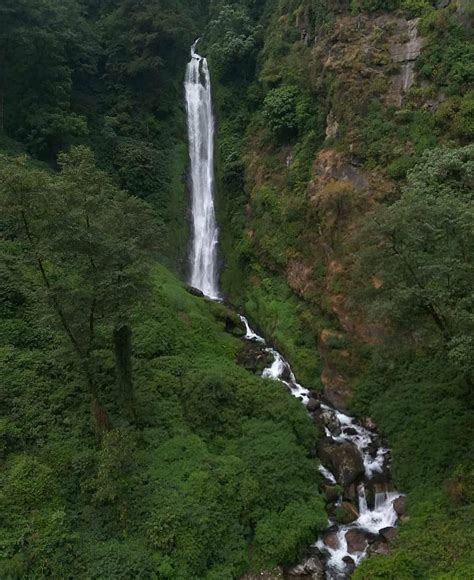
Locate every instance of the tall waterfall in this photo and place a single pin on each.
(201, 153)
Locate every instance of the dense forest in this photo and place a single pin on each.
(136, 438)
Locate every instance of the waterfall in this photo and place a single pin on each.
(339, 558)
(201, 152)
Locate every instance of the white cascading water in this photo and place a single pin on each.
(201, 152)
(204, 277)
(374, 456)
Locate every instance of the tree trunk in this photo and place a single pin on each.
(122, 336)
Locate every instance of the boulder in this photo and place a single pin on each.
(380, 546)
(195, 291)
(357, 540)
(389, 534)
(311, 568)
(330, 539)
(400, 505)
(313, 405)
(345, 513)
(350, 564)
(343, 460)
(329, 420)
(331, 492)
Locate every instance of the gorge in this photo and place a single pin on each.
(236, 289)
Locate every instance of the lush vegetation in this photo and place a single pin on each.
(372, 243)
(132, 445)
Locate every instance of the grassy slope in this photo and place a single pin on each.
(214, 454)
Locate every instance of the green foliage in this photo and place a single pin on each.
(280, 111)
(233, 40)
(421, 246)
(281, 536)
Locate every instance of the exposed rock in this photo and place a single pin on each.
(312, 568)
(313, 405)
(343, 459)
(349, 562)
(379, 546)
(400, 505)
(330, 539)
(350, 492)
(332, 126)
(389, 534)
(442, 3)
(346, 513)
(195, 291)
(368, 423)
(331, 492)
(253, 358)
(357, 540)
(405, 56)
(329, 420)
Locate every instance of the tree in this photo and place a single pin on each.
(40, 45)
(421, 249)
(90, 245)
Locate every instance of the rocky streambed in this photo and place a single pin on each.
(362, 503)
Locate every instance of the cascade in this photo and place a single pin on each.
(203, 275)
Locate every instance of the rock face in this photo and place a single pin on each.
(343, 459)
(405, 56)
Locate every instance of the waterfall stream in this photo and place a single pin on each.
(332, 547)
(201, 152)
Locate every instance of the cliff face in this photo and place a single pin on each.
(364, 114)
(352, 117)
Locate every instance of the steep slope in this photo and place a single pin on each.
(334, 107)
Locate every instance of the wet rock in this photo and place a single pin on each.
(376, 486)
(389, 534)
(357, 540)
(343, 460)
(350, 431)
(400, 505)
(330, 539)
(253, 358)
(350, 564)
(330, 421)
(311, 568)
(379, 546)
(331, 492)
(346, 513)
(195, 291)
(350, 492)
(313, 405)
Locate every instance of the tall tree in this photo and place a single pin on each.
(90, 244)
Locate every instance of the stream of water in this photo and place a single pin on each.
(335, 548)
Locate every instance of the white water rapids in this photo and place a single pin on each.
(203, 261)
(374, 457)
(201, 152)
